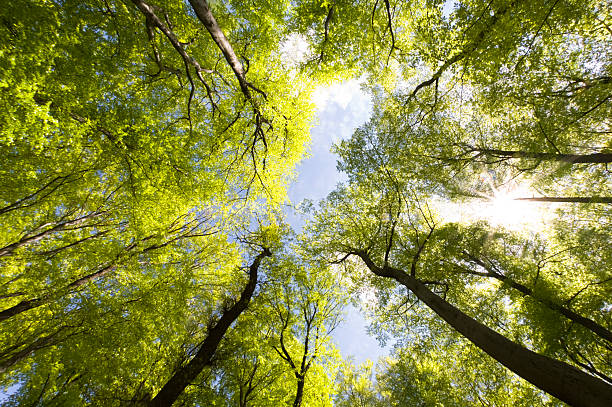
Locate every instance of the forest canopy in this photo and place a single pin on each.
(146, 254)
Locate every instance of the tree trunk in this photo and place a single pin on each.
(570, 199)
(208, 19)
(557, 378)
(297, 402)
(596, 158)
(7, 250)
(23, 306)
(6, 361)
(589, 324)
(185, 375)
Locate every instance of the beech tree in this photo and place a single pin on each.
(381, 240)
(306, 313)
(186, 374)
(287, 354)
(501, 92)
(145, 151)
(502, 87)
(136, 137)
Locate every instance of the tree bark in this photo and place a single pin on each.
(570, 199)
(589, 324)
(59, 227)
(557, 378)
(596, 158)
(6, 361)
(22, 306)
(185, 375)
(208, 19)
(299, 393)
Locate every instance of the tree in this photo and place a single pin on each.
(141, 144)
(431, 368)
(355, 387)
(186, 374)
(119, 150)
(306, 312)
(458, 375)
(502, 87)
(550, 283)
(372, 239)
(491, 270)
(247, 370)
(130, 149)
(503, 93)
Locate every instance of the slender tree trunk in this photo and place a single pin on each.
(26, 305)
(28, 239)
(242, 397)
(207, 18)
(557, 378)
(185, 375)
(589, 324)
(596, 158)
(301, 370)
(570, 199)
(6, 361)
(299, 393)
(22, 306)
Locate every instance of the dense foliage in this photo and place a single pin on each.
(145, 153)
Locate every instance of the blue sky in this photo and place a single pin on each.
(342, 108)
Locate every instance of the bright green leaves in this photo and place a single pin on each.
(142, 167)
(130, 158)
(517, 78)
(452, 133)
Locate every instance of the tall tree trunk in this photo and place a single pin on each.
(7, 360)
(299, 393)
(207, 18)
(589, 324)
(209, 21)
(22, 306)
(26, 305)
(557, 378)
(595, 158)
(185, 375)
(570, 199)
(301, 370)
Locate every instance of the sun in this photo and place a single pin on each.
(501, 207)
(504, 209)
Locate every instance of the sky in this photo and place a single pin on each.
(342, 108)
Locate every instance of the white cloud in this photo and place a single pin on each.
(294, 50)
(340, 93)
